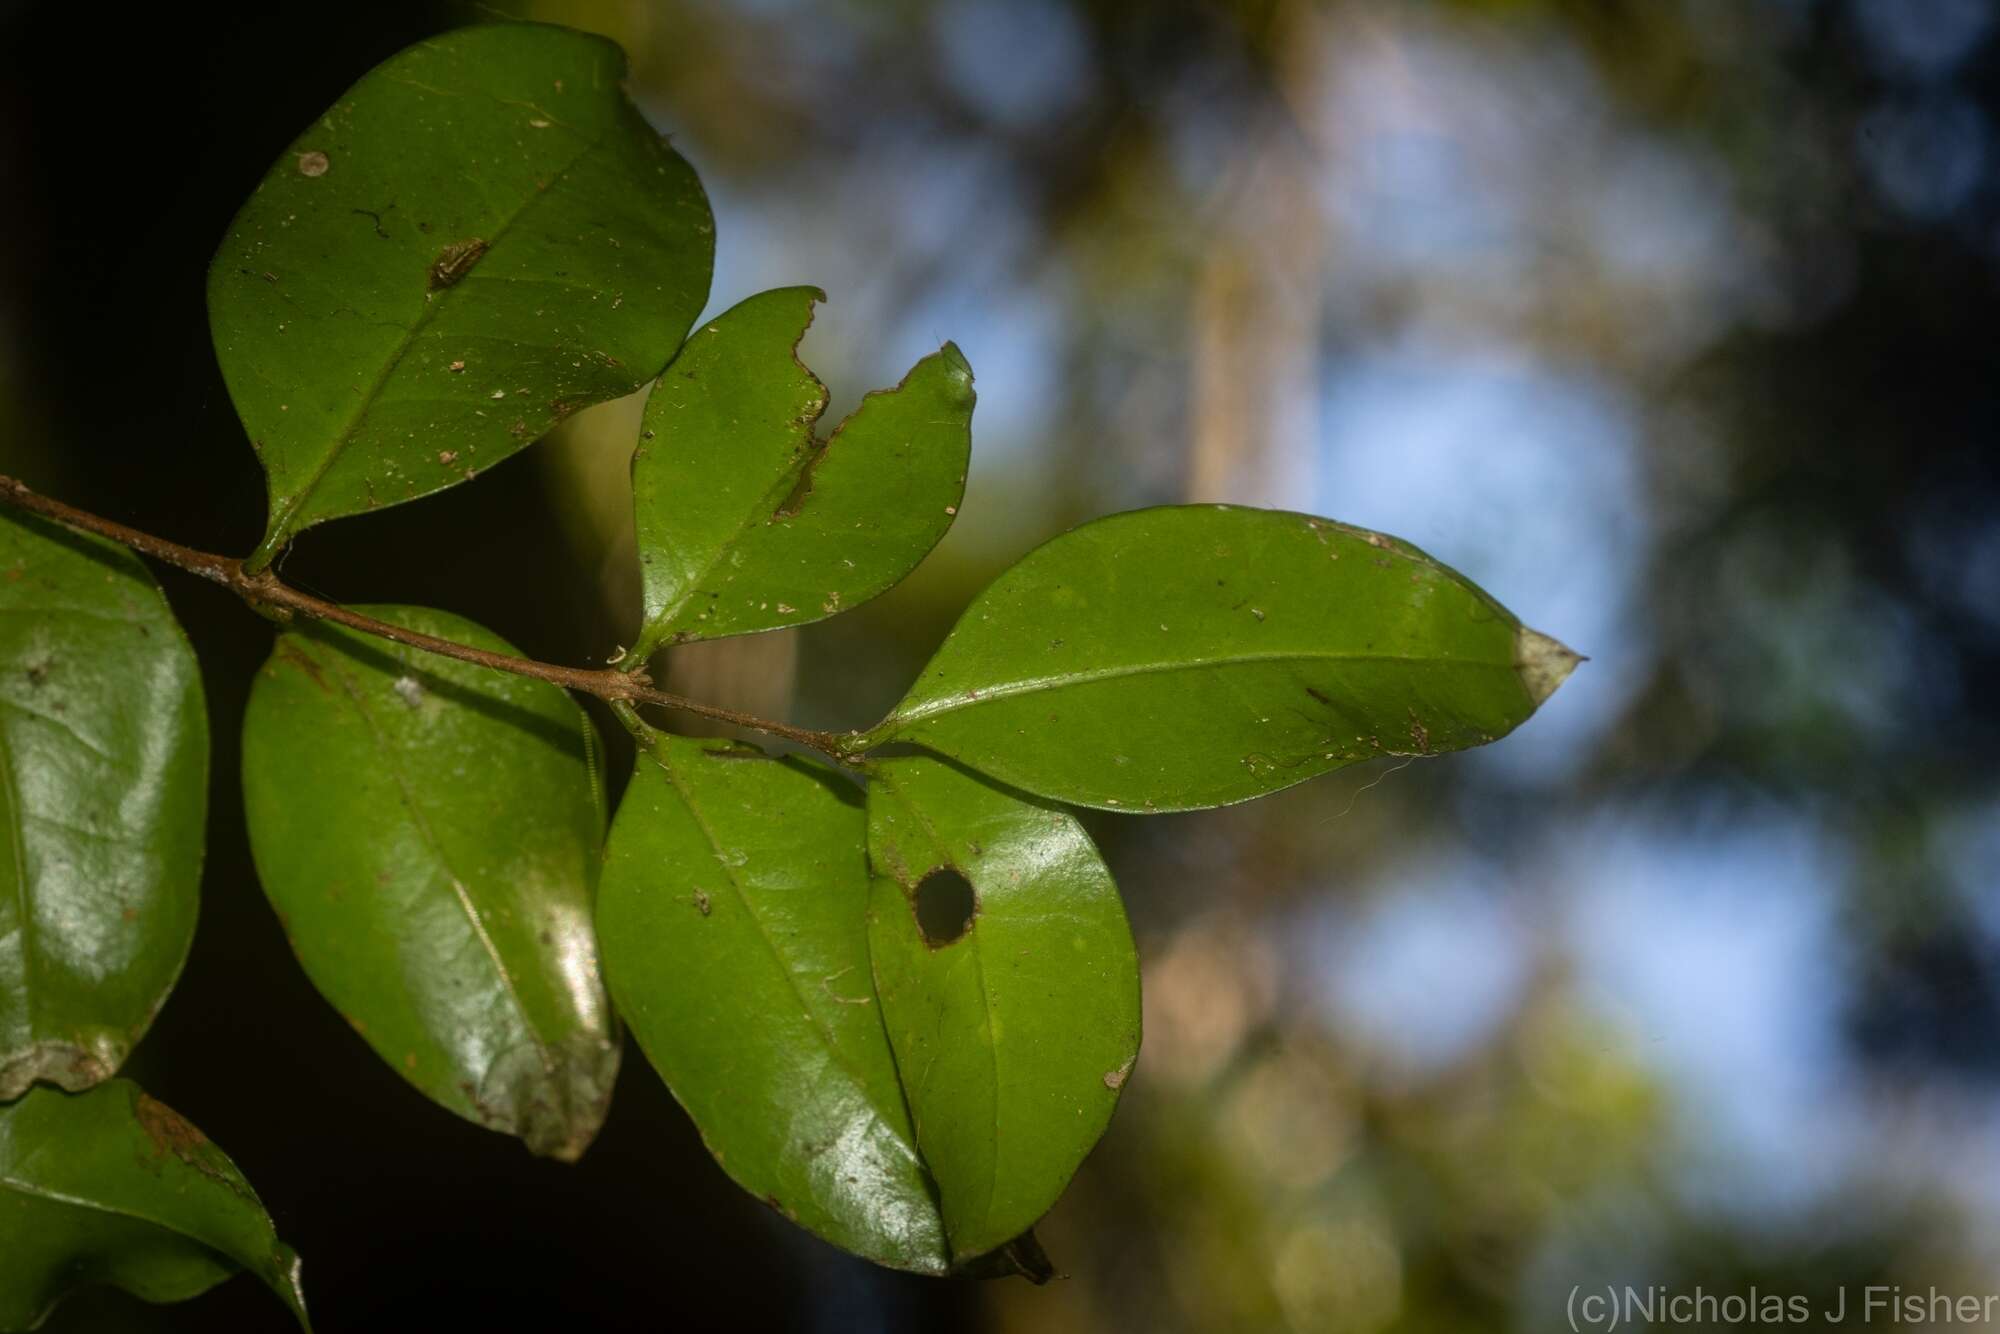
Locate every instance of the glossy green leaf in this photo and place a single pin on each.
(479, 238)
(112, 1187)
(747, 521)
(103, 794)
(733, 916)
(1014, 1029)
(1189, 656)
(430, 833)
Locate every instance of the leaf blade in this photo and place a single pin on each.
(103, 799)
(481, 237)
(732, 915)
(113, 1187)
(1015, 1038)
(747, 522)
(429, 831)
(1191, 656)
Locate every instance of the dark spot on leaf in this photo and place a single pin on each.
(455, 261)
(944, 904)
(795, 499)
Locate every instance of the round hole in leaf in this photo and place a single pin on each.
(944, 905)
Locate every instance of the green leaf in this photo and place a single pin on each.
(103, 794)
(733, 916)
(430, 832)
(747, 521)
(1014, 1028)
(112, 1187)
(478, 239)
(1190, 656)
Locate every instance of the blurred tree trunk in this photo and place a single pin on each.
(1255, 325)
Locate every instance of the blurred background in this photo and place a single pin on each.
(1671, 322)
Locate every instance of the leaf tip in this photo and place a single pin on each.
(558, 1110)
(1544, 663)
(288, 1281)
(955, 361)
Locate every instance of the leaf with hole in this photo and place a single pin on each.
(733, 916)
(111, 1187)
(103, 796)
(1189, 656)
(430, 832)
(747, 521)
(1009, 984)
(479, 238)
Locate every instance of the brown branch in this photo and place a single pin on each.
(264, 588)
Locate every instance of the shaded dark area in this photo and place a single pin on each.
(1673, 324)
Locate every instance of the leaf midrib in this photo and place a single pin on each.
(813, 1019)
(17, 833)
(944, 704)
(116, 1211)
(459, 893)
(667, 624)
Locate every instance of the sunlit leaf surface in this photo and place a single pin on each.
(747, 520)
(478, 239)
(1010, 986)
(733, 916)
(429, 832)
(1197, 655)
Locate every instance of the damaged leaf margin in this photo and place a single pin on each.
(748, 520)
